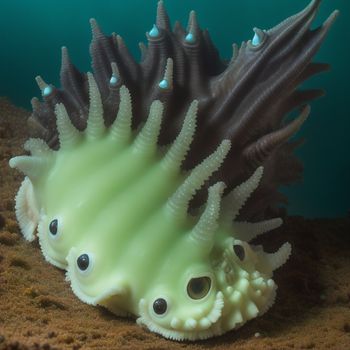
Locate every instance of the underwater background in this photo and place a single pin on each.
(33, 31)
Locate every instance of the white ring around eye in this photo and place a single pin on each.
(152, 312)
(60, 221)
(59, 228)
(89, 268)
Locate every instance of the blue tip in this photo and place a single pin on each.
(47, 90)
(164, 84)
(154, 32)
(190, 38)
(113, 80)
(256, 40)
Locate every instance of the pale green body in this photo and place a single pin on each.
(122, 201)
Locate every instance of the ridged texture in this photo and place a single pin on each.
(121, 128)
(248, 231)
(181, 145)
(68, 135)
(114, 214)
(179, 202)
(207, 225)
(245, 100)
(26, 210)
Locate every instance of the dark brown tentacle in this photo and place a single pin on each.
(162, 20)
(261, 149)
(246, 100)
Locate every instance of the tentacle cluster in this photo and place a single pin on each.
(245, 100)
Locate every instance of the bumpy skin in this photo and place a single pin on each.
(112, 208)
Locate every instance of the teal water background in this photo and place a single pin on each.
(33, 31)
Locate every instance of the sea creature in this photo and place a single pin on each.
(138, 184)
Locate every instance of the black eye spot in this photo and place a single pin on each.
(198, 288)
(53, 227)
(239, 251)
(83, 262)
(160, 306)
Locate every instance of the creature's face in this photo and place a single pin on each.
(198, 297)
(60, 226)
(49, 219)
(183, 298)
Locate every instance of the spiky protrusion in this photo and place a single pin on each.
(68, 135)
(162, 16)
(167, 82)
(275, 260)
(45, 88)
(179, 148)
(146, 140)
(95, 122)
(179, 202)
(247, 231)
(193, 29)
(31, 166)
(262, 148)
(235, 200)
(120, 130)
(115, 77)
(204, 231)
(244, 100)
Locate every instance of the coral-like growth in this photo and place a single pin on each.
(118, 211)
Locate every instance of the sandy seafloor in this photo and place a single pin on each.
(39, 311)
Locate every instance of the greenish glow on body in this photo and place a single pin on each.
(122, 202)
